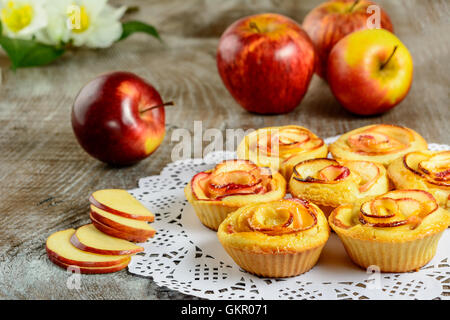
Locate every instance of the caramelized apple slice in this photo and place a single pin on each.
(235, 165)
(412, 160)
(89, 238)
(282, 217)
(91, 270)
(198, 185)
(437, 166)
(232, 177)
(427, 201)
(367, 171)
(334, 173)
(307, 171)
(375, 140)
(342, 217)
(59, 247)
(130, 226)
(397, 208)
(120, 202)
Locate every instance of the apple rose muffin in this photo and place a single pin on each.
(281, 148)
(229, 186)
(381, 143)
(281, 238)
(425, 170)
(329, 183)
(398, 231)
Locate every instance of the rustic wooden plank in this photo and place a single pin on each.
(46, 177)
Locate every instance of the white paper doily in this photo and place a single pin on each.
(187, 257)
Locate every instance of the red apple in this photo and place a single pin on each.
(266, 62)
(370, 71)
(118, 118)
(331, 21)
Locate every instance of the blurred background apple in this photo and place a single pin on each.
(331, 21)
(370, 71)
(119, 118)
(266, 61)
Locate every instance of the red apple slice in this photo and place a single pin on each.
(89, 238)
(59, 247)
(130, 226)
(120, 202)
(91, 270)
(116, 233)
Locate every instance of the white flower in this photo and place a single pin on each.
(91, 23)
(22, 18)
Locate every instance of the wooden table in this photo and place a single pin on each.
(46, 177)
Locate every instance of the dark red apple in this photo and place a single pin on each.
(118, 118)
(266, 62)
(332, 20)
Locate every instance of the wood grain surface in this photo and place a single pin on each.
(46, 177)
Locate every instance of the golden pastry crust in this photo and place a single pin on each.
(231, 185)
(425, 170)
(281, 148)
(330, 183)
(380, 143)
(275, 239)
(397, 231)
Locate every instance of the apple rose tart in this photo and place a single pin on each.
(229, 186)
(281, 238)
(381, 143)
(425, 170)
(329, 183)
(281, 148)
(397, 231)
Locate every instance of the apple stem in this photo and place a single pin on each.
(254, 26)
(165, 104)
(388, 59)
(353, 5)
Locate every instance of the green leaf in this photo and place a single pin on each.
(131, 27)
(29, 53)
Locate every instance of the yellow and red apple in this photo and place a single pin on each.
(370, 71)
(119, 118)
(266, 62)
(332, 20)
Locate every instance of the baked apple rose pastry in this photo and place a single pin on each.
(425, 170)
(281, 148)
(398, 231)
(281, 238)
(380, 143)
(329, 183)
(229, 186)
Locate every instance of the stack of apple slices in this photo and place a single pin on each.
(103, 246)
